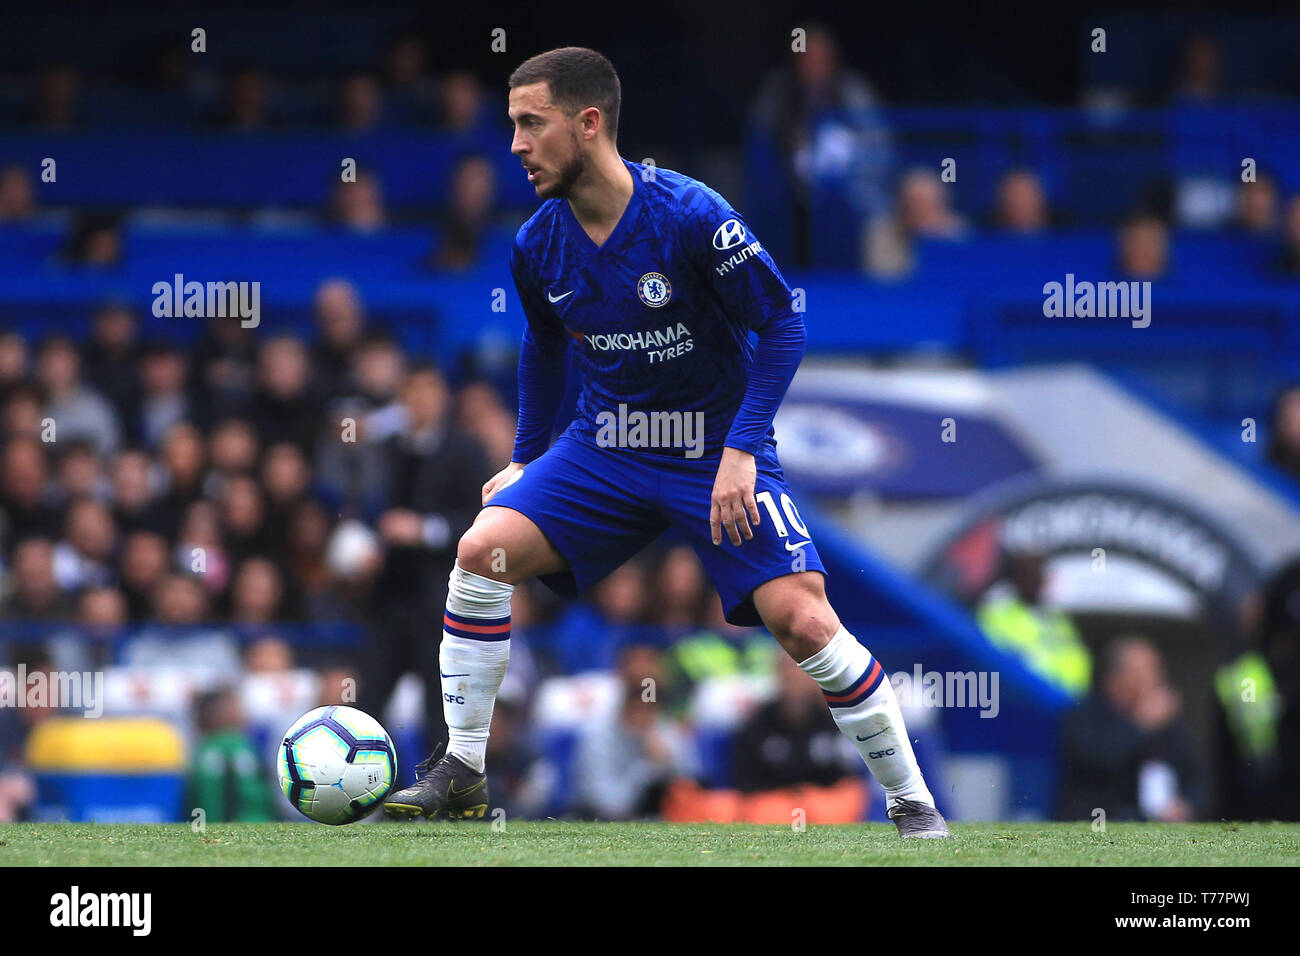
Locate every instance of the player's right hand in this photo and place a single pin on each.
(506, 476)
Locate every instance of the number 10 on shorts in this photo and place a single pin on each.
(791, 515)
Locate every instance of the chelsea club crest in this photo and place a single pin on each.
(654, 289)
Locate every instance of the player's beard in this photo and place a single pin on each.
(568, 175)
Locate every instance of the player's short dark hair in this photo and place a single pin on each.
(578, 78)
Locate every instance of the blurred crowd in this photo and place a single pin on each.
(823, 121)
(1127, 747)
(826, 124)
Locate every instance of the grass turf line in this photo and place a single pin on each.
(645, 844)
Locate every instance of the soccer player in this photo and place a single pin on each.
(655, 283)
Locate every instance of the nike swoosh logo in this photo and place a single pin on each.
(795, 547)
(869, 736)
(557, 298)
(453, 792)
(451, 675)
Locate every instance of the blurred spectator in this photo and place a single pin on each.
(825, 125)
(338, 685)
(589, 633)
(1284, 445)
(792, 739)
(1143, 248)
(247, 103)
(340, 324)
(183, 457)
(1016, 617)
(178, 635)
(378, 373)
(367, 413)
(56, 106)
(163, 399)
(14, 362)
(1021, 203)
(110, 360)
(94, 240)
(435, 476)
(24, 472)
(1200, 77)
(716, 649)
(101, 616)
(228, 783)
(361, 103)
(78, 410)
(483, 413)
(924, 208)
(681, 591)
(34, 592)
(1246, 718)
(222, 366)
(1281, 651)
(1125, 750)
(406, 70)
(286, 475)
(308, 535)
(179, 599)
(83, 559)
(145, 560)
(132, 497)
(24, 411)
(17, 194)
(268, 655)
(626, 759)
(470, 213)
(359, 205)
(1257, 207)
(243, 520)
(257, 594)
(285, 407)
(522, 780)
(78, 475)
(463, 108)
(200, 548)
(922, 211)
(233, 449)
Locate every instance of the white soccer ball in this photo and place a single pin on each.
(336, 764)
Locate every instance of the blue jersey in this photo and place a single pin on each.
(659, 318)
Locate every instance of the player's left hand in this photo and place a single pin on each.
(733, 497)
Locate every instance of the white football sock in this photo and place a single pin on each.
(473, 656)
(862, 701)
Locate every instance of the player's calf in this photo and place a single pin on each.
(858, 692)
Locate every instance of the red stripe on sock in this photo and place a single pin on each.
(871, 677)
(474, 628)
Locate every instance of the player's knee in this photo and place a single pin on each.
(803, 624)
(478, 554)
(804, 637)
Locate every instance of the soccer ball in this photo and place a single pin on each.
(336, 764)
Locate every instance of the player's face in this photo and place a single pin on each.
(546, 141)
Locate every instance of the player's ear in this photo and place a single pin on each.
(591, 120)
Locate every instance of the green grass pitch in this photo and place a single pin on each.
(646, 844)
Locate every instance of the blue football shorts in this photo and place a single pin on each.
(600, 506)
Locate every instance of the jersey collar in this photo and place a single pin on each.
(624, 222)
